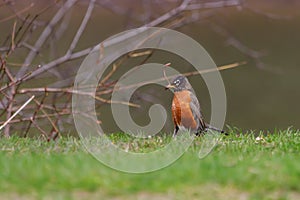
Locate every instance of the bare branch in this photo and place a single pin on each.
(231, 40)
(169, 14)
(214, 4)
(267, 14)
(82, 27)
(43, 37)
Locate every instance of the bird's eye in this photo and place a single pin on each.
(177, 82)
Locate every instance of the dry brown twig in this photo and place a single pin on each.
(18, 12)
(164, 78)
(164, 72)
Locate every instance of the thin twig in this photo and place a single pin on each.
(21, 108)
(43, 116)
(19, 12)
(40, 104)
(38, 127)
(34, 114)
(224, 67)
(114, 68)
(138, 54)
(164, 73)
(13, 36)
(16, 82)
(70, 90)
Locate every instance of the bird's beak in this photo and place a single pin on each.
(170, 86)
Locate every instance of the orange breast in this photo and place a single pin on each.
(181, 110)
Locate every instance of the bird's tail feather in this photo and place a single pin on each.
(208, 126)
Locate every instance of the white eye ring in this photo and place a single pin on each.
(177, 82)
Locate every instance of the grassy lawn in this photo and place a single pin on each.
(242, 166)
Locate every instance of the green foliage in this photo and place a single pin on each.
(259, 166)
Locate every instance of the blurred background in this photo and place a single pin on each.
(42, 44)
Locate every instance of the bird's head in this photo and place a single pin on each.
(179, 83)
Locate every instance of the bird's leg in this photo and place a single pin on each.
(200, 132)
(175, 131)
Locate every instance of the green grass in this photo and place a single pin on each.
(249, 166)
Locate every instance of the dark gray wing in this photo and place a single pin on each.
(196, 110)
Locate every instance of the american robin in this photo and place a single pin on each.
(186, 111)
